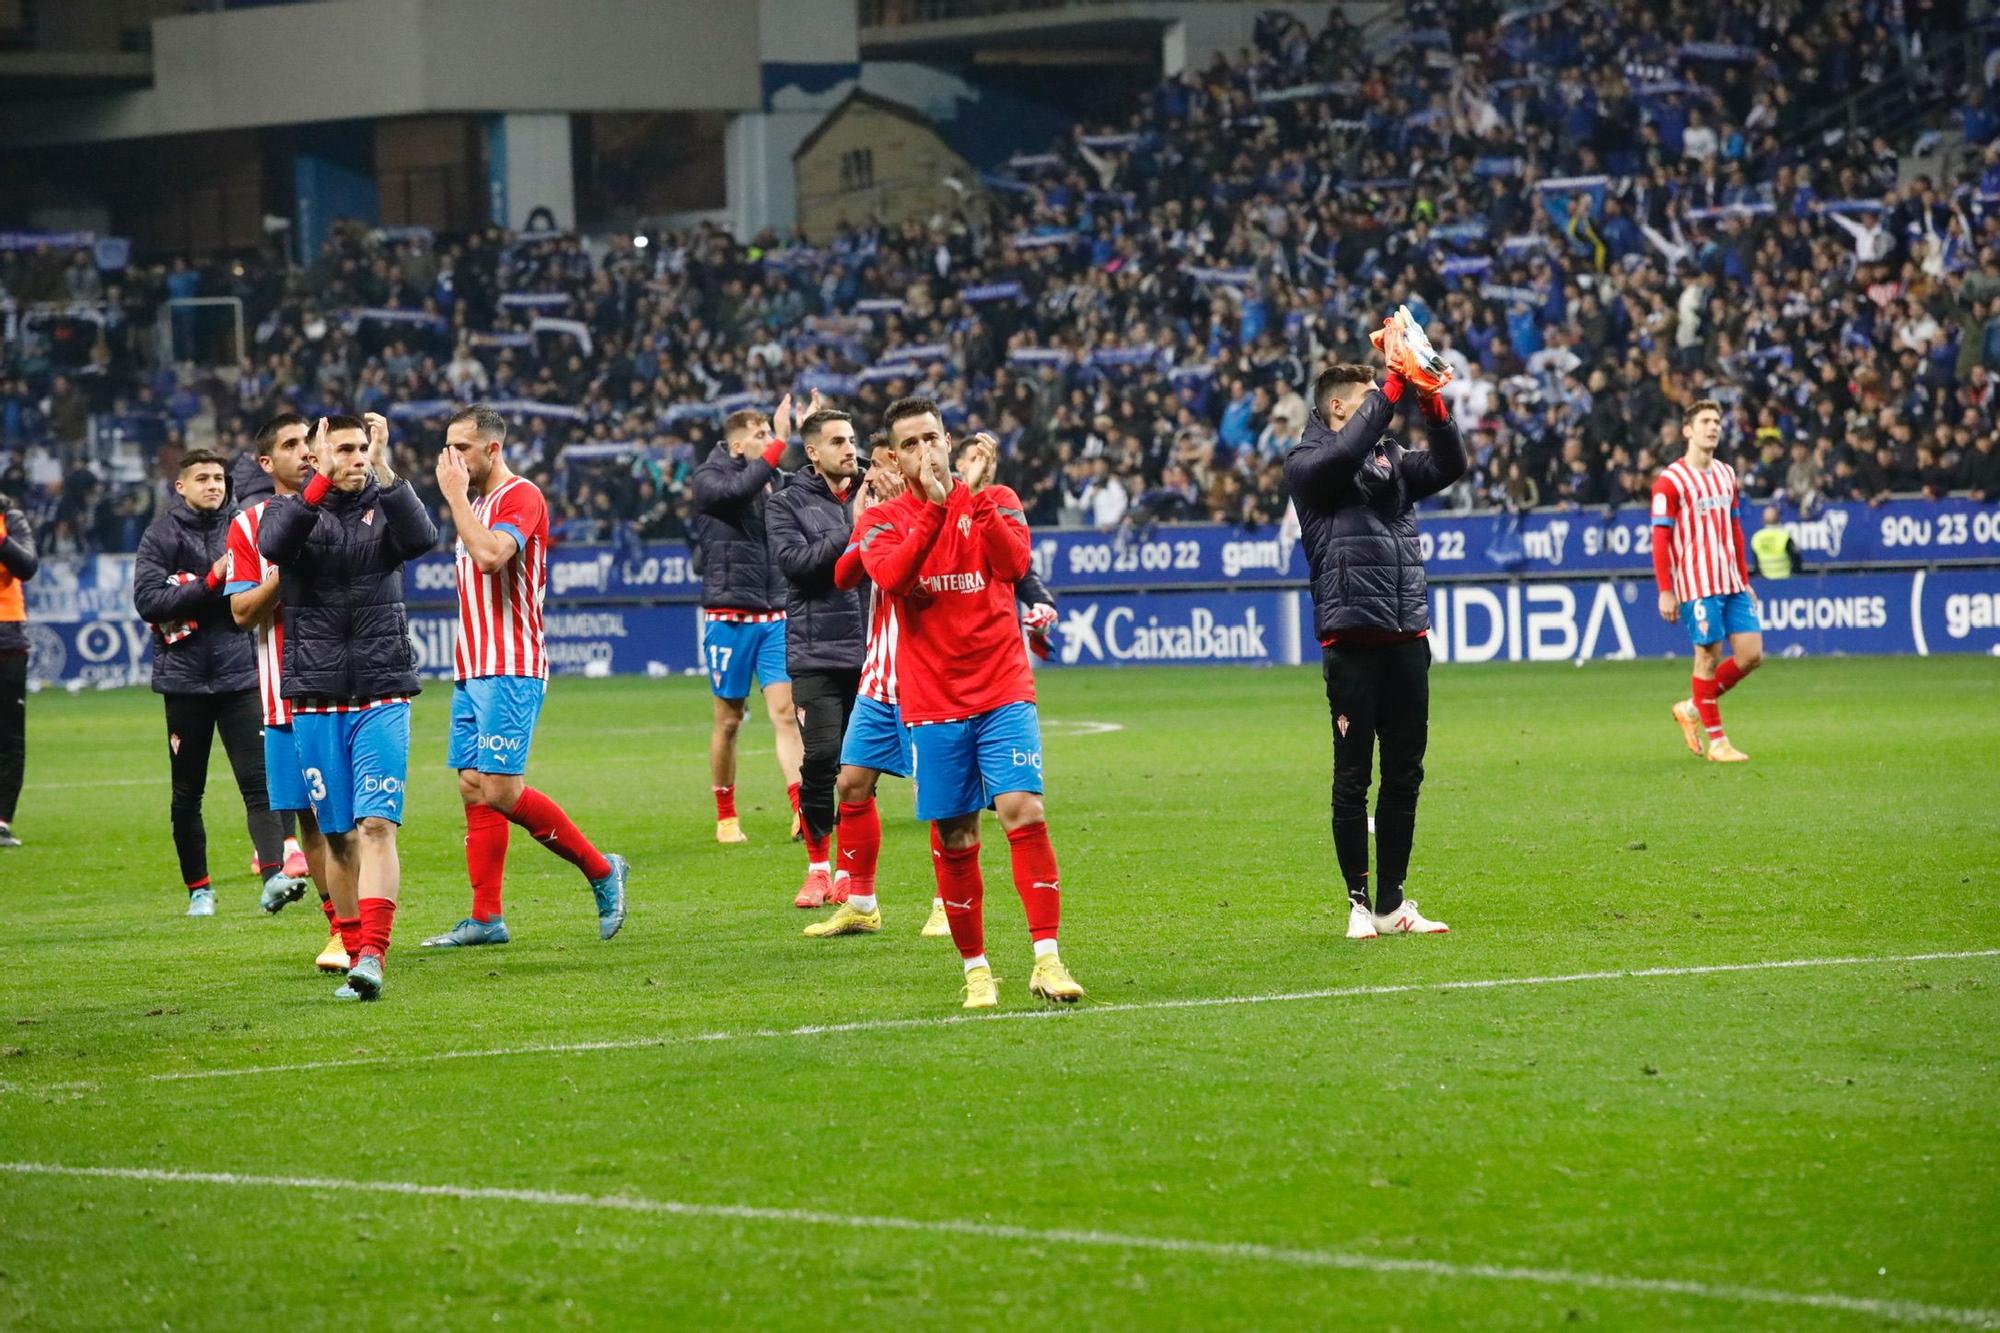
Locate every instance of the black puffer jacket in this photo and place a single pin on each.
(1355, 489)
(728, 524)
(217, 658)
(340, 562)
(826, 628)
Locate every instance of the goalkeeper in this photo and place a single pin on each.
(1355, 489)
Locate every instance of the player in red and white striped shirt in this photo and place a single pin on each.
(283, 454)
(1701, 564)
(502, 666)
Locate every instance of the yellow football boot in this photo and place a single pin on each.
(845, 921)
(1053, 982)
(981, 990)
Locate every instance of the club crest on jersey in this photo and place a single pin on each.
(368, 519)
(965, 525)
(1341, 722)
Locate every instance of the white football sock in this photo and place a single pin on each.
(1045, 947)
(861, 902)
(977, 960)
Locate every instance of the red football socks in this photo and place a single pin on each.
(548, 825)
(725, 801)
(350, 934)
(1035, 878)
(326, 905)
(816, 846)
(960, 886)
(486, 831)
(860, 844)
(1704, 703)
(378, 916)
(1726, 676)
(793, 792)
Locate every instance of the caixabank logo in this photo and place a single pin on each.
(1116, 632)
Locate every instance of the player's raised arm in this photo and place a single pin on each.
(490, 548)
(893, 546)
(1325, 459)
(1428, 471)
(1002, 525)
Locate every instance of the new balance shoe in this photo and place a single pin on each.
(937, 923)
(1360, 922)
(1690, 724)
(471, 933)
(1720, 751)
(333, 958)
(279, 890)
(1407, 920)
(201, 902)
(729, 830)
(365, 977)
(982, 991)
(846, 921)
(610, 895)
(815, 891)
(1052, 982)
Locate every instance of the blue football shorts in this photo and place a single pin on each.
(493, 723)
(960, 767)
(354, 764)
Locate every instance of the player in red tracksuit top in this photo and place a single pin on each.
(948, 557)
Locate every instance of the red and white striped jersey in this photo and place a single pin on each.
(878, 668)
(1694, 513)
(247, 569)
(500, 614)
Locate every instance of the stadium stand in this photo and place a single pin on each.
(1609, 210)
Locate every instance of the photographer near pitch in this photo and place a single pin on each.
(1355, 489)
(18, 564)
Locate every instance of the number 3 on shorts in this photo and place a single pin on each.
(315, 784)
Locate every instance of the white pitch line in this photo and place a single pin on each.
(1015, 1015)
(1874, 1307)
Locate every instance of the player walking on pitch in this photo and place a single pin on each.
(501, 665)
(1701, 564)
(948, 560)
(743, 601)
(349, 670)
(282, 456)
(205, 667)
(1356, 490)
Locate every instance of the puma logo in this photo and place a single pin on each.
(847, 853)
(963, 907)
(1050, 885)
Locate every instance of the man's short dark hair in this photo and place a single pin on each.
(196, 457)
(345, 421)
(490, 424)
(909, 407)
(743, 419)
(810, 428)
(266, 438)
(1699, 406)
(1335, 377)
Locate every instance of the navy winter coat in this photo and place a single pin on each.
(728, 524)
(340, 563)
(218, 658)
(1355, 490)
(826, 628)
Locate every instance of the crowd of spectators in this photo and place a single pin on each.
(1601, 211)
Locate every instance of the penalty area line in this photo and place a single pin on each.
(1900, 1311)
(1019, 1015)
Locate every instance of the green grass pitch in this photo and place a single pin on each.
(1805, 1147)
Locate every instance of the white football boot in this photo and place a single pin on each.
(1360, 922)
(1407, 920)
